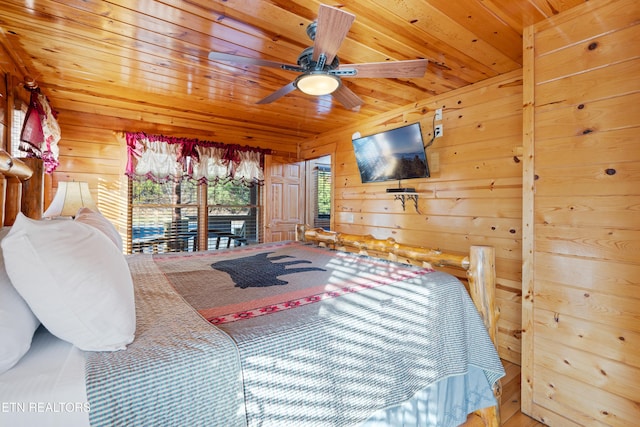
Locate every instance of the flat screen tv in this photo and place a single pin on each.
(392, 155)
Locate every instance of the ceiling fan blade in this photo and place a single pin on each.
(278, 94)
(347, 98)
(333, 26)
(244, 60)
(398, 69)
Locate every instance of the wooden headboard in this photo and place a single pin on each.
(13, 173)
(479, 265)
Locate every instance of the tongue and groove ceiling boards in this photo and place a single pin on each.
(149, 60)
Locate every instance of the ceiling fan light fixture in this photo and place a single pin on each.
(317, 83)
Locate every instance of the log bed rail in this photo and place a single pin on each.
(479, 266)
(13, 167)
(13, 172)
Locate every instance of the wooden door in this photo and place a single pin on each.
(284, 198)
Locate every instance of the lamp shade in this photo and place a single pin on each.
(71, 196)
(317, 83)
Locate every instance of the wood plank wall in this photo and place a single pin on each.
(581, 349)
(474, 194)
(4, 117)
(90, 151)
(8, 68)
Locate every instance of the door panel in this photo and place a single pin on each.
(284, 198)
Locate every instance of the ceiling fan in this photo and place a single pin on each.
(320, 67)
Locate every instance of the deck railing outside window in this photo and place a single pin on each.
(165, 216)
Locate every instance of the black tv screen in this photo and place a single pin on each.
(392, 155)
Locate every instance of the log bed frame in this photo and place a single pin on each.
(480, 270)
(479, 265)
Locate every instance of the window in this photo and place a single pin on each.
(16, 129)
(322, 214)
(178, 181)
(165, 216)
(232, 215)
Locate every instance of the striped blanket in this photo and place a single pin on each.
(327, 338)
(179, 371)
(305, 336)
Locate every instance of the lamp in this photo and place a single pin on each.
(317, 83)
(70, 197)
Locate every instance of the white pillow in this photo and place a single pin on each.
(17, 321)
(97, 220)
(74, 279)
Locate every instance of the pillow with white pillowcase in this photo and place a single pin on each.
(75, 280)
(97, 220)
(17, 321)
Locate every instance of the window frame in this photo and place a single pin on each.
(193, 233)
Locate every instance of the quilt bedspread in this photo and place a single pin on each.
(179, 370)
(327, 338)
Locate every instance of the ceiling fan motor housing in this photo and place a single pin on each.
(311, 30)
(305, 61)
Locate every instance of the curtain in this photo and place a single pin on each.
(210, 166)
(40, 131)
(163, 159)
(247, 167)
(159, 162)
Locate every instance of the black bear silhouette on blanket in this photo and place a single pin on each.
(260, 271)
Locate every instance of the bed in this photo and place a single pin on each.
(321, 331)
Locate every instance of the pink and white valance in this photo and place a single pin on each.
(161, 159)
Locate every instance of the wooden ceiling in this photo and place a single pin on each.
(146, 60)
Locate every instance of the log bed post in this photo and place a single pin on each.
(482, 280)
(481, 274)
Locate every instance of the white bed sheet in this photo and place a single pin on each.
(46, 387)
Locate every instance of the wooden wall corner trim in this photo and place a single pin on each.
(528, 187)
